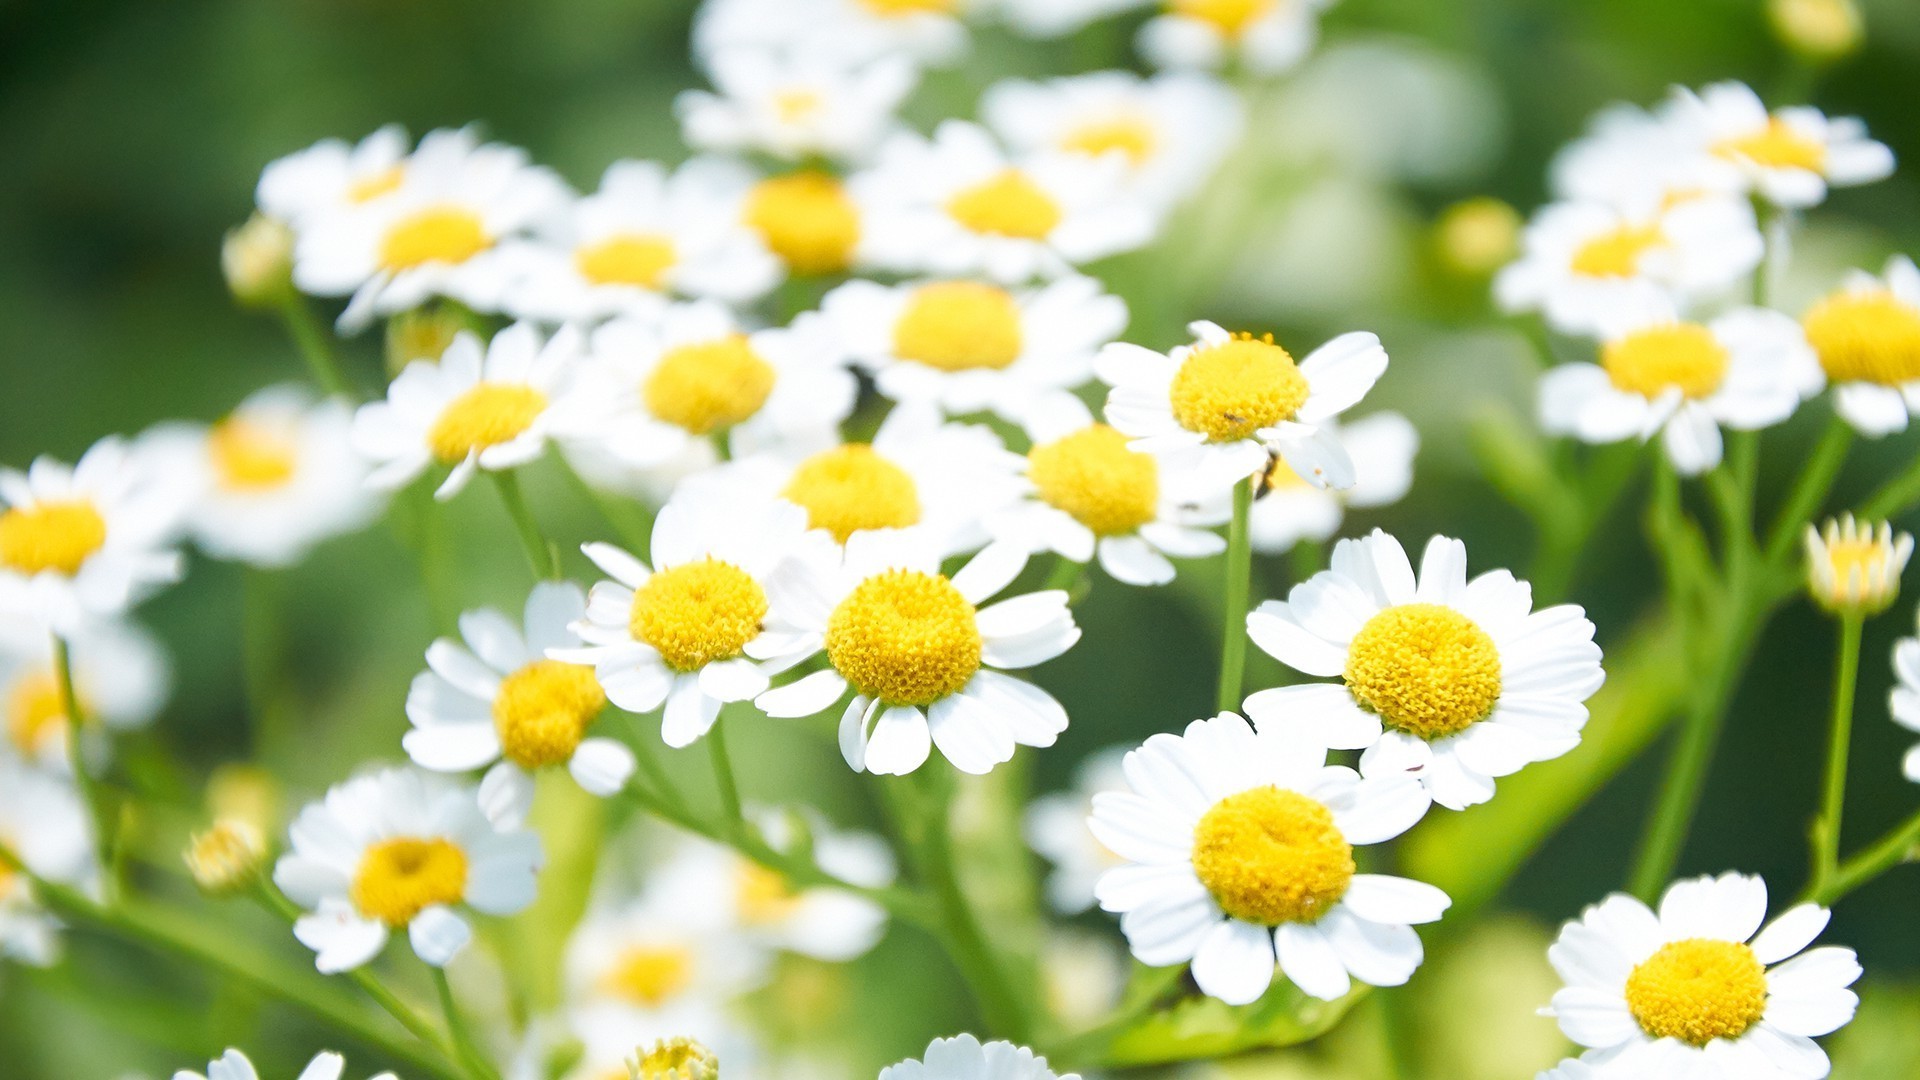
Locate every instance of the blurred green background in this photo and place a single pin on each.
(131, 135)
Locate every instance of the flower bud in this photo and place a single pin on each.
(675, 1059)
(257, 259)
(1824, 30)
(1477, 236)
(1853, 568)
(226, 858)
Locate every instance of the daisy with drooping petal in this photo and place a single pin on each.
(1239, 850)
(121, 677)
(45, 826)
(1904, 700)
(234, 1065)
(1288, 509)
(1855, 566)
(499, 700)
(1094, 495)
(1867, 336)
(926, 664)
(1055, 827)
(399, 850)
(1220, 405)
(1454, 682)
(1264, 36)
(972, 346)
(1789, 157)
(333, 175)
(1700, 983)
(964, 1057)
(795, 104)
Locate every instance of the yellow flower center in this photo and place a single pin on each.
(764, 896)
(709, 385)
(1131, 134)
(1007, 204)
(1777, 146)
(894, 9)
(1230, 390)
(486, 415)
(542, 712)
(633, 259)
(698, 612)
(368, 188)
(438, 234)
(959, 326)
(1271, 856)
(905, 637)
(1230, 17)
(1682, 356)
(676, 1059)
(1616, 253)
(1425, 669)
(1092, 475)
(650, 975)
(401, 877)
(1866, 337)
(55, 536)
(850, 488)
(795, 104)
(35, 712)
(1698, 990)
(807, 219)
(249, 457)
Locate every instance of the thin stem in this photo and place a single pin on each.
(1810, 490)
(1239, 570)
(1826, 828)
(90, 790)
(1896, 496)
(734, 821)
(542, 555)
(1888, 852)
(315, 345)
(470, 1055)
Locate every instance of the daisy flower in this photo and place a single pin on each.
(1790, 157)
(438, 233)
(1094, 495)
(693, 631)
(1264, 36)
(120, 675)
(1239, 850)
(964, 1057)
(957, 204)
(233, 1065)
(490, 406)
(973, 346)
(926, 664)
(1220, 405)
(1700, 983)
(333, 175)
(1867, 336)
(400, 850)
(1448, 680)
(1631, 159)
(1855, 566)
(1288, 509)
(1904, 701)
(47, 828)
(810, 221)
(1056, 829)
(499, 700)
(795, 105)
(1659, 374)
(86, 542)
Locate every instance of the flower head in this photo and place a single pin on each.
(234, 1065)
(678, 1058)
(1789, 157)
(964, 1057)
(795, 104)
(1266, 36)
(1867, 337)
(46, 827)
(227, 858)
(1855, 566)
(121, 679)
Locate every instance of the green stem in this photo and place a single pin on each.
(1896, 496)
(1000, 1004)
(463, 1044)
(90, 791)
(733, 820)
(315, 343)
(1888, 852)
(1810, 490)
(542, 555)
(1826, 828)
(1239, 571)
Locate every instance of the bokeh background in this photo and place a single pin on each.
(131, 134)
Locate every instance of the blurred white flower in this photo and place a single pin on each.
(333, 175)
(1264, 36)
(1790, 157)
(963, 1057)
(44, 824)
(1055, 827)
(795, 105)
(121, 677)
(1867, 337)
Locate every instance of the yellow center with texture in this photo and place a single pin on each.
(1866, 337)
(850, 488)
(698, 612)
(1777, 146)
(487, 414)
(709, 385)
(1007, 204)
(635, 259)
(401, 877)
(1424, 669)
(438, 234)
(959, 326)
(249, 457)
(1093, 476)
(1616, 253)
(1272, 856)
(57, 537)
(1678, 356)
(807, 219)
(1230, 390)
(1698, 990)
(905, 638)
(650, 975)
(542, 712)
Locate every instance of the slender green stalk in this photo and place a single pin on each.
(542, 555)
(315, 343)
(1826, 828)
(463, 1044)
(90, 790)
(1810, 490)
(1239, 571)
(733, 820)
(1896, 496)
(1896, 847)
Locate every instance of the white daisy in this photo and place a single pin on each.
(400, 850)
(1240, 849)
(972, 346)
(1904, 701)
(1867, 336)
(1790, 157)
(1701, 984)
(86, 542)
(45, 825)
(1631, 159)
(233, 1065)
(1093, 495)
(926, 664)
(121, 676)
(333, 175)
(929, 32)
(964, 1057)
(1659, 374)
(1055, 827)
(1288, 509)
(1220, 405)
(1854, 566)
(1264, 36)
(795, 105)
(1445, 679)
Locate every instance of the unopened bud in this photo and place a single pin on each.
(1477, 236)
(675, 1059)
(421, 334)
(226, 858)
(1853, 568)
(1818, 29)
(257, 259)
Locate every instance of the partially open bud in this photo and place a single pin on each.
(1477, 236)
(675, 1059)
(227, 858)
(1823, 30)
(257, 259)
(421, 334)
(1853, 568)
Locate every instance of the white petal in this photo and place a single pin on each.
(690, 713)
(1792, 931)
(601, 766)
(1377, 954)
(506, 795)
(900, 742)
(809, 696)
(1310, 961)
(1383, 899)
(1234, 962)
(438, 935)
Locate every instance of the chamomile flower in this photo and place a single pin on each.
(1789, 157)
(1855, 566)
(1867, 336)
(964, 1057)
(795, 105)
(1659, 374)
(1239, 850)
(233, 1065)
(1451, 681)
(43, 824)
(438, 233)
(1055, 827)
(956, 204)
(1288, 509)
(333, 175)
(693, 631)
(121, 677)
(485, 406)
(400, 850)
(973, 346)
(1631, 159)
(497, 699)
(1263, 36)
(1095, 496)
(1220, 405)
(1904, 701)
(926, 664)
(666, 960)
(85, 542)
(1701, 984)
(765, 908)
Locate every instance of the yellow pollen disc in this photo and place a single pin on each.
(1698, 990)
(34, 712)
(1778, 146)
(1425, 669)
(542, 712)
(708, 385)
(1092, 475)
(678, 1058)
(1271, 856)
(1682, 356)
(1231, 390)
(764, 896)
(807, 219)
(698, 612)
(627, 260)
(51, 536)
(796, 104)
(1865, 556)
(1866, 337)
(249, 457)
(438, 234)
(400, 878)
(894, 9)
(1132, 135)
(905, 637)
(1007, 204)
(1616, 254)
(368, 188)
(486, 415)
(650, 975)
(959, 326)
(850, 488)
(1230, 17)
